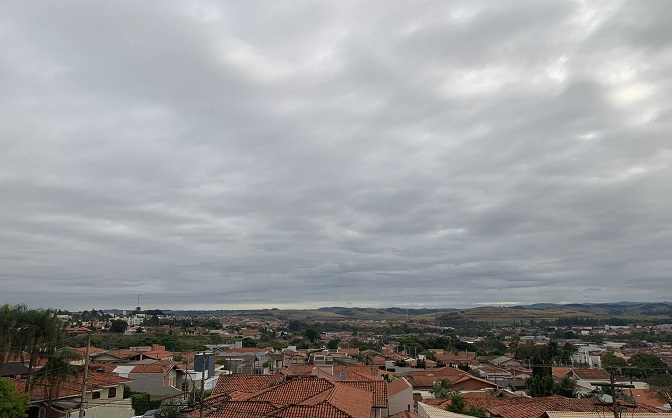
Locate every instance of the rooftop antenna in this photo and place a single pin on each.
(137, 309)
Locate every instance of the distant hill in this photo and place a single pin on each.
(639, 312)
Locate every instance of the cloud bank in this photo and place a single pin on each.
(299, 154)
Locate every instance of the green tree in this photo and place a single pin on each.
(514, 341)
(490, 347)
(41, 331)
(333, 344)
(458, 405)
(540, 385)
(612, 363)
(662, 386)
(169, 411)
(566, 354)
(566, 387)
(118, 326)
(141, 403)
(464, 367)
(644, 365)
(10, 319)
(295, 325)
(12, 405)
(311, 335)
(442, 389)
(56, 372)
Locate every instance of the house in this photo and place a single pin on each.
(588, 380)
(340, 371)
(155, 351)
(117, 356)
(399, 396)
(504, 361)
(461, 358)
(250, 333)
(566, 414)
(276, 360)
(246, 383)
(423, 380)
(523, 407)
(505, 377)
(245, 360)
(299, 397)
(13, 369)
(160, 379)
(93, 352)
(104, 397)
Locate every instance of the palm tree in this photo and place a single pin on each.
(10, 318)
(57, 372)
(41, 332)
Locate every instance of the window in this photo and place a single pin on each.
(112, 393)
(95, 395)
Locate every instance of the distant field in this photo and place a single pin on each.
(633, 312)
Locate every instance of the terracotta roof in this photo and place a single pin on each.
(158, 354)
(154, 368)
(246, 383)
(351, 400)
(567, 414)
(340, 370)
(322, 410)
(302, 398)
(426, 378)
(244, 409)
(297, 370)
(397, 386)
(122, 354)
(646, 397)
(560, 372)
(293, 391)
(521, 407)
(378, 388)
(72, 387)
(365, 371)
(105, 367)
(591, 374)
(244, 350)
(92, 350)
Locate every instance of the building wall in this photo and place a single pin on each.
(152, 383)
(472, 384)
(118, 409)
(402, 401)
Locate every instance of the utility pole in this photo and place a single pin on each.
(82, 406)
(615, 408)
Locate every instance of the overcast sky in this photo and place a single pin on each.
(304, 154)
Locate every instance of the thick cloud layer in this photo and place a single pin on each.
(260, 154)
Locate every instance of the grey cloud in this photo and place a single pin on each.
(430, 154)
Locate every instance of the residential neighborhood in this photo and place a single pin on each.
(310, 368)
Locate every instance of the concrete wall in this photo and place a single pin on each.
(118, 409)
(400, 401)
(152, 383)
